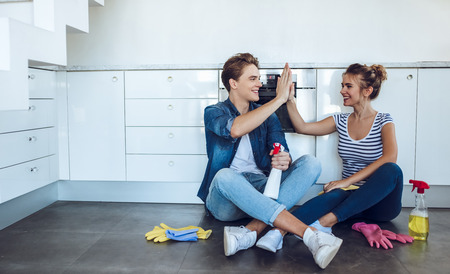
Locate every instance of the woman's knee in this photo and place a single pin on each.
(391, 168)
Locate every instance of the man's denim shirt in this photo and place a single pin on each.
(221, 147)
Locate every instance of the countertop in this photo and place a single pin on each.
(422, 64)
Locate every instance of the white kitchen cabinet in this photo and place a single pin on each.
(397, 97)
(166, 168)
(195, 84)
(433, 128)
(329, 102)
(27, 140)
(23, 178)
(302, 144)
(96, 125)
(166, 112)
(40, 114)
(166, 140)
(164, 123)
(41, 83)
(23, 146)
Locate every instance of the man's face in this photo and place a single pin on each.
(248, 85)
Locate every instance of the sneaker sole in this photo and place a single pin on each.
(331, 251)
(265, 247)
(227, 243)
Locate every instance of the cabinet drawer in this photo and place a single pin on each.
(24, 146)
(166, 168)
(42, 83)
(40, 114)
(166, 140)
(166, 112)
(171, 84)
(21, 179)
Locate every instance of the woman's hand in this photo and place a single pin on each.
(281, 161)
(284, 84)
(336, 184)
(292, 93)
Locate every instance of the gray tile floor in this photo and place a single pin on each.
(89, 237)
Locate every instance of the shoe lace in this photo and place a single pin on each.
(244, 239)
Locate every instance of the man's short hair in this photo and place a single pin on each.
(233, 67)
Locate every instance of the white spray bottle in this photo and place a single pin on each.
(273, 182)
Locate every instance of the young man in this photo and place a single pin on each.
(239, 139)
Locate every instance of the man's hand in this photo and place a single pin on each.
(284, 84)
(281, 161)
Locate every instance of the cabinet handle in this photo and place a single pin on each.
(114, 79)
(31, 108)
(32, 139)
(34, 169)
(171, 163)
(31, 76)
(409, 77)
(170, 107)
(171, 135)
(170, 79)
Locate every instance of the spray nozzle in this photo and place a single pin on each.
(421, 186)
(276, 148)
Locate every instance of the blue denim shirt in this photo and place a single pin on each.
(221, 147)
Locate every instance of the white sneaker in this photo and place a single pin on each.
(323, 246)
(237, 238)
(272, 241)
(319, 227)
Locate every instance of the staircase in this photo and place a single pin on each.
(33, 33)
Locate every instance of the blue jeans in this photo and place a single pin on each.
(379, 199)
(233, 196)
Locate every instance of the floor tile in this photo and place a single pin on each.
(46, 248)
(90, 237)
(117, 253)
(74, 217)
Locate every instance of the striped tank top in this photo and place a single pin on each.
(357, 154)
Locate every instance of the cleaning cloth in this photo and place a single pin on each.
(188, 235)
(158, 234)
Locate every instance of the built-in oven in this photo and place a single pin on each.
(304, 80)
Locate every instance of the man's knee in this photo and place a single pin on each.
(308, 163)
(223, 178)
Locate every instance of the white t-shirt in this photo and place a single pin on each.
(243, 160)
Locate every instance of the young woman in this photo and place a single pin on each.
(368, 148)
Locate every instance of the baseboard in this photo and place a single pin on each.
(186, 192)
(120, 191)
(16, 209)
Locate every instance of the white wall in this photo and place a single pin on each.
(133, 32)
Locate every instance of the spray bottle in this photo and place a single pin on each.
(418, 218)
(273, 182)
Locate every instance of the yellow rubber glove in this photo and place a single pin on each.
(201, 233)
(158, 235)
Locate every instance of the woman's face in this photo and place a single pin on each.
(351, 91)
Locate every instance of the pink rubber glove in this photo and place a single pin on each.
(398, 237)
(373, 234)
